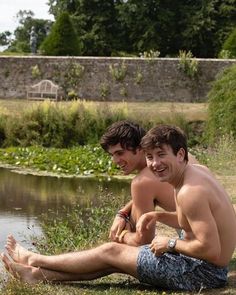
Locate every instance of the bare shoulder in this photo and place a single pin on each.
(191, 197)
(145, 176)
(147, 184)
(147, 179)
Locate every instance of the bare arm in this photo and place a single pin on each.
(146, 220)
(205, 241)
(143, 201)
(202, 239)
(119, 223)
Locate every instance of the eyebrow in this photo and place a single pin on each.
(117, 151)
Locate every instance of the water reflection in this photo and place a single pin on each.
(23, 198)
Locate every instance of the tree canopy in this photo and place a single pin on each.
(62, 40)
(133, 26)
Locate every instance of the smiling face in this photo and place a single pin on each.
(164, 164)
(127, 160)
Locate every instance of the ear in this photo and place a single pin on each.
(181, 154)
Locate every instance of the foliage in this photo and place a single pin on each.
(81, 228)
(205, 25)
(222, 106)
(104, 90)
(230, 44)
(188, 64)
(220, 156)
(225, 54)
(95, 22)
(118, 72)
(36, 73)
(67, 124)
(62, 40)
(21, 42)
(54, 125)
(80, 160)
(150, 54)
(109, 28)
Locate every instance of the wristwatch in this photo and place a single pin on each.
(171, 245)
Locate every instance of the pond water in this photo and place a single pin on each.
(24, 198)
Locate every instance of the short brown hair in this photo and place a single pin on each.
(165, 134)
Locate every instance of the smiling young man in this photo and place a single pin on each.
(194, 262)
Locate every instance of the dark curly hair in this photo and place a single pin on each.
(128, 134)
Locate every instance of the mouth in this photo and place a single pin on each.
(159, 171)
(122, 167)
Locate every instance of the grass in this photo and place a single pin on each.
(192, 111)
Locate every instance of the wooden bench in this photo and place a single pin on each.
(45, 89)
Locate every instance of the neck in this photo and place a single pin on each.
(180, 178)
(142, 164)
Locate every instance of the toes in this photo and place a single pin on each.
(11, 240)
(6, 261)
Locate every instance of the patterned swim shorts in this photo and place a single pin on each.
(178, 272)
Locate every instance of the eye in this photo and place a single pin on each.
(149, 157)
(120, 153)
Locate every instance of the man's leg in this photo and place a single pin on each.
(31, 274)
(108, 256)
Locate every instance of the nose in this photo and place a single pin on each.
(155, 163)
(115, 159)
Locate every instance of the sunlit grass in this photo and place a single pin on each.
(151, 110)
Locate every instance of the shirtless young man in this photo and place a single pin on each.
(198, 260)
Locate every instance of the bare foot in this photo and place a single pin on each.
(25, 273)
(18, 253)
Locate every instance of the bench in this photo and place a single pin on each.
(45, 89)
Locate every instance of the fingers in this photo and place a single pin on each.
(118, 226)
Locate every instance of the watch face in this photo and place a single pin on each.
(171, 244)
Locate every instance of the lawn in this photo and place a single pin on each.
(191, 111)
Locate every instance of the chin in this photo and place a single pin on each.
(126, 172)
(163, 178)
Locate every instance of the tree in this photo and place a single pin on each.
(150, 25)
(95, 22)
(62, 40)
(230, 44)
(136, 26)
(21, 42)
(204, 25)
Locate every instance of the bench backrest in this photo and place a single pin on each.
(45, 86)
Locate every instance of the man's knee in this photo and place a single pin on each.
(111, 249)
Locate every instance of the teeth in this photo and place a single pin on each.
(160, 170)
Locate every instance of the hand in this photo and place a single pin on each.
(159, 245)
(145, 222)
(117, 227)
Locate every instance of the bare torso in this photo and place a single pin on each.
(217, 209)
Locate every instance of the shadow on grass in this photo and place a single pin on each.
(123, 286)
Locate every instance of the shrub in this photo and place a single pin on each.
(54, 125)
(62, 40)
(222, 106)
(230, 44)
(188, 64)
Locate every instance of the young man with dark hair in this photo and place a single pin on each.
(196, 261)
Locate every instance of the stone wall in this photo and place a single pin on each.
(112, 79)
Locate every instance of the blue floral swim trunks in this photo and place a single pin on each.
(178, 272)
